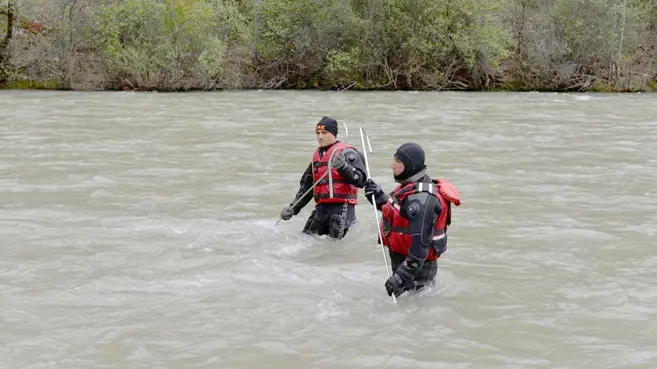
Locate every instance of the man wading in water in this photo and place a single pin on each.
(333, 215)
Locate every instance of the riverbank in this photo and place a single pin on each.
(463, 45)
(596, 88)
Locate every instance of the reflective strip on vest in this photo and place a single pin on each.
(426, 187)
(439, 237)
(395, 204)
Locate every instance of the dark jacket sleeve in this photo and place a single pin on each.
(381, 199)
(355, 172)
(422, 211)
(305, 183)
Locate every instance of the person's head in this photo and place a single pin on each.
(407, 161)
(327, 131)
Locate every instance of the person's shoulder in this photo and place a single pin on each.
(349, 147)
(351, 153)
(422, 197)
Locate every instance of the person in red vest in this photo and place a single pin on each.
(414, 220)
(332, 215)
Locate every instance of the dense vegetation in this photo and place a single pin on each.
(574, 45)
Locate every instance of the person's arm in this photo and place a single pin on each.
(422, 211)
(305, 183)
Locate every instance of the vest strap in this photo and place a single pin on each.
(326, 181)
(336, 196)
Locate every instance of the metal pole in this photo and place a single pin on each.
(376, 213)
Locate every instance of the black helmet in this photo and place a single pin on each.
(412, 155)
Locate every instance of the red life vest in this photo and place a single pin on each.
(395, 228)
(342, 192)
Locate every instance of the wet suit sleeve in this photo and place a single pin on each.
(304, 185)
(355, 172)
(422, 211)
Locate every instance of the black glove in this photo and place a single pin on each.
(287, 213)
(400, 282)
(373, 190)
(339, 162)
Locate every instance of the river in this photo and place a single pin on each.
(139, 231)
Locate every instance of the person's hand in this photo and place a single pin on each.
(287, 213)
(372, 191)
(400, 282)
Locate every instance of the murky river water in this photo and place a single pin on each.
(138, 231)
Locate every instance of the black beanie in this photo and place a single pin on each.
(328, 124)
(412, 155)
